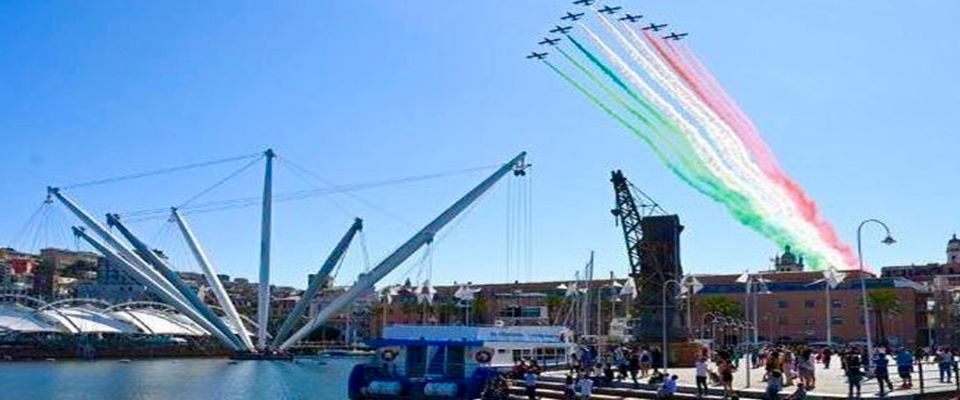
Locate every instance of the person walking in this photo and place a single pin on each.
(827, 355)
(585, 387)
(774, 385)
(634, 367)
(702, 373)
(881, 371)
(944, 360)
(530, 385)
(905, 368)
(726, 377)
(854, 373)
(807, 370)
(646, 361)
(657, 355)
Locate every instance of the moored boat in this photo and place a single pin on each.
(456, 362)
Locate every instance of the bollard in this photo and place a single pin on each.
(920, 368)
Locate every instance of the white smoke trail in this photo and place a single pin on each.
(751, 181)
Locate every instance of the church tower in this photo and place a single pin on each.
(953, 250)
(788, 261)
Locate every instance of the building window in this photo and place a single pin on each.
(836, 304)
(782, 304)
(810, 321)
(836, 321)
(809, 303)
(782, 320)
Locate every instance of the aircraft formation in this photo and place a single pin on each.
(571, 17)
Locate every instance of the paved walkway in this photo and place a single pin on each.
(830, 382)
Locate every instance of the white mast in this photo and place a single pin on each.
(263, 303)
(585, 307)
(215, 285)
(161, 292)
(408, 248)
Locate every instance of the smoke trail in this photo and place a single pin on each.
(732, 152)
(810, 233)
(704, 84)
(613, 114)
(743, 209)
(681, 154)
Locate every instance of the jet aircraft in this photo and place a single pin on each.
(675, 36)
(609, 10)
(536, 55)
(549, 42)
(654, 26)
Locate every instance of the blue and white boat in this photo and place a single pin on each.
(456, 362)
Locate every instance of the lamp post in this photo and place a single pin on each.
(703, 318)
(663, 312)
(888, 240)
(747, 350)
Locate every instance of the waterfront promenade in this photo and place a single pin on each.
(831, 384)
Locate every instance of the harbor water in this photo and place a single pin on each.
(178, 379)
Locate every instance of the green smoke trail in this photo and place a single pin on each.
(690, 172)
(739, 206)
(613, 114)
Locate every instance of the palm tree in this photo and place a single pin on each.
(554, 304)
(883, 302)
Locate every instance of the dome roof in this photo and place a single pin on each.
(954, 240)
(788, 257)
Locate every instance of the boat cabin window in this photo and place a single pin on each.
(437, 360)
(550, 355)
(455, 360)
(416, 361)
(520, 354)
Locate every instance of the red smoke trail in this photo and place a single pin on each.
(706, 87)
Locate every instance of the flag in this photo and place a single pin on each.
(391, 292)
(833, 277)
(466, 293)
(629, 289)
(571, 289)
(695, 285)
(425, 292)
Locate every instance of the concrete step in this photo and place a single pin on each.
(554, 390)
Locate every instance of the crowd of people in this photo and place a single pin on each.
(781, 367)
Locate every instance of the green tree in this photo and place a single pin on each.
(447, 312)
(479, 312)
(721, 306)
(883, 302)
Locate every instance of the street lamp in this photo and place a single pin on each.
(863, 282)
(663, 312)
(703, 319)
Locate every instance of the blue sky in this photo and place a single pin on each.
(856, 98)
